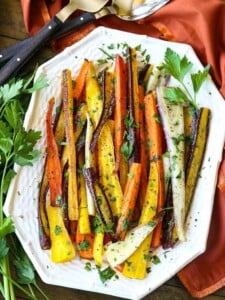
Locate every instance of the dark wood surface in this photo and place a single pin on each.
(12, 30)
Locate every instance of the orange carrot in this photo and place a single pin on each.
(129, 200)
(84, 244)
(79, 82)
(155, 139)
(135, 92)
(53, 162)
(72, 230)
(68, 109)
(143, 155)
(120, 106)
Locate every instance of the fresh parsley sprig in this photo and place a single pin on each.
(179, 67)
(16, 146)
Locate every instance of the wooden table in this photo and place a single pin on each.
(12, 30)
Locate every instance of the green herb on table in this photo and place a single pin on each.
(179, 67)
(106, 274)
(16, 147)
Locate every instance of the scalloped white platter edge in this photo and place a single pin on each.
(22, 197)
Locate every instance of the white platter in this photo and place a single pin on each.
(21, 202)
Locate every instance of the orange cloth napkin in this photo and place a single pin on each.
(201, 24)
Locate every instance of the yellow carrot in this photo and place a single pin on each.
(68, 108)
(62, 249)
(106, 163)
(136, 264)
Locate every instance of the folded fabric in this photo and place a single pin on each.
(201, 25)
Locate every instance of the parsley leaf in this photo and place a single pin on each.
(7, 227)
(179, 67)
(16, 146)
(199, 77)
(176, 66)
(4, 249)
(24, 270)
(106, 274)
(23, 147)
(176, 95)
(83, 246)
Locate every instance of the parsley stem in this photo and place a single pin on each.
(7, 159)
(8, 289)
(40, 290)
(10, 284)
(2, 289)
(191, 99)
(31, 291)
(18, 286)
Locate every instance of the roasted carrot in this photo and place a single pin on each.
(107, 177)
(172, 121)
(143, 155)
(59, 133)
(72, 228)
(155, 139)
(132, 122)
(79, 124)
(120, 106)
(137, 263)
(62, 248)
(43, 225)
(84, 244)
(68, 107)
(79, 82)
(129, 200)
(53, 162)
(98, 248)
(197, 150)
(93, 96)
(108, 105)
(83, 221)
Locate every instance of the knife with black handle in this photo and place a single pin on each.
(7, 53)
(14, 64)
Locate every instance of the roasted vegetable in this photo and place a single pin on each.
(53, 162)
(117, 253)
(120, 109)
(62, 249)
(197, 153)
(129, 200)
(108, 105)
(101, 203)
(106, 166)
(68, 108)
(136, 263)
(172, 119)
(155, 140)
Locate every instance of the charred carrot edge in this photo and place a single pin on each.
(155, 137)
(68, 108)
(79, 82)
(59, 132)
(132, 102)
(108, 105)
(120, 106)
(197, 151)
(129, 200)
(53, 162)
(135, 90)
(42, 213)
